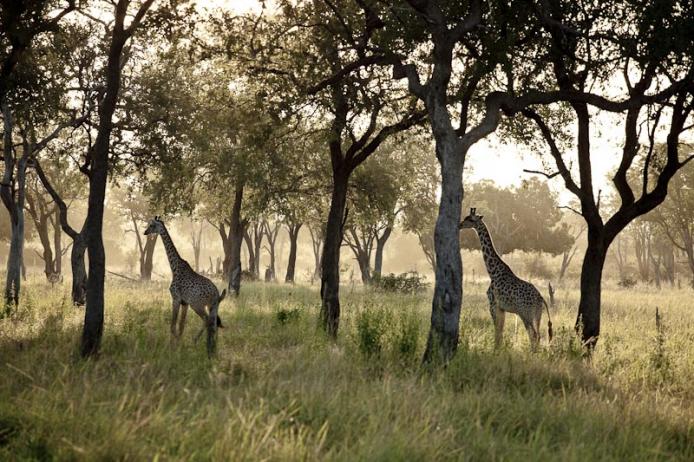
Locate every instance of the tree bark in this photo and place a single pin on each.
(293, 230)
(147, 257)
(271, 235)
(442, 342)
(14, 202)
(317, 246)
(588, 320)
(79, 270)
(98, 157)
(57, 243)
(330, 260)
(236, 232)
(380, 245)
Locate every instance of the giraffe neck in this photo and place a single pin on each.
(495, 265)
(171, 252)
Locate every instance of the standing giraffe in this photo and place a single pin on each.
(507, 292)
(189, 288)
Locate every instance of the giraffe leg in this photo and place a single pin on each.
(174, 315)
(532, 333)
(498, 316)
(499, 319)
(182, 321)
(200, 311)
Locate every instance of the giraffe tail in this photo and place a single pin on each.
(221, 297)
(549, 321)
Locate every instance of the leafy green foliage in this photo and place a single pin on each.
(410, 282)
(519, 218)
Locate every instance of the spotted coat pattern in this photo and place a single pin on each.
(507, 293)
(188, 288)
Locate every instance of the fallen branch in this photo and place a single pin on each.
(123, 276)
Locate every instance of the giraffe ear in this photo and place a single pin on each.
(480, 216)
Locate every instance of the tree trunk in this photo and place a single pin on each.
(44, 238)
(293, 230)
(363, 260)
(380, 245)
(236, 231)
(94, 313)
(317, 246)
(330, 261)
(251, 252)
(57, 243)
(98, 176)
(79, 271)
(14, 261)
(147, 257)
(257, 245)
(442, 342)
(588, 320)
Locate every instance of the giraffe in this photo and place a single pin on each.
(507, 292)
(189, 288)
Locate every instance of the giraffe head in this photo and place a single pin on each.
(156, 226)
(472, 220)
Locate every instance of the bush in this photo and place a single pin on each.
(410, 282)
(285, 315)
(248, 276)
(372, 325)
(626, 282)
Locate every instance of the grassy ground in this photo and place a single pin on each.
(280, 391)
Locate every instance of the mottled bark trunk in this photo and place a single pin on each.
(330, 260)
(442, 342)
(293, 230)
(14, 261)
(236, 231)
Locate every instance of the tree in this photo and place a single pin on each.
(585, 55)
(196, 240)
(382, 188)
(136, 210)
(675, 216)
(35, 111)
(305, 49)
(45, 212)
(524, 218)
(97, 161)
(472, 59)
(21, 22)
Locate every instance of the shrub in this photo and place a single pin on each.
(626, 282)
(248, 276)
(372, 325)
(410, 282)
(285, 315)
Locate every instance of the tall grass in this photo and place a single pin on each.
(280, 390)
